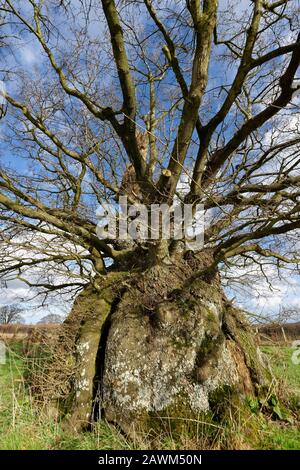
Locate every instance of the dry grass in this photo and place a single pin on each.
(15, 333)
(277, 333)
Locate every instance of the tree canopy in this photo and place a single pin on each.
(213, 84)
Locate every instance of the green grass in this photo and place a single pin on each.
(283, 366)
(287, 438)
(24, 425)
(284, 435)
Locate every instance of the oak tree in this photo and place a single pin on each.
(214, 88)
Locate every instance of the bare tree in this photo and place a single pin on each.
(10, 314)
(215, 88)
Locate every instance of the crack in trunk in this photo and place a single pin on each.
(98, 412)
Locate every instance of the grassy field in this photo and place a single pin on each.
(23, 425)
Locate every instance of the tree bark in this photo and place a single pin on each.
(156, 343)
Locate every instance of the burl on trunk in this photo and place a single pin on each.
(159, 342)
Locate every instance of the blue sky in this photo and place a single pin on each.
(260, 297)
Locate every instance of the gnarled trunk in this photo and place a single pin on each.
(158, 342)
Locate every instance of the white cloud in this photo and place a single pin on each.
(264, 295)
(30, 247)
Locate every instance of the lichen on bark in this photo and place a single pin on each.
(149, 342)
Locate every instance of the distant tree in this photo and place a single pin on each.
(10, 314)
(51, 318)
(288, 314)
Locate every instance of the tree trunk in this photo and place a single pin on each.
(160, 342)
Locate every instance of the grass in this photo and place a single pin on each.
(24, 425)
(283, 366)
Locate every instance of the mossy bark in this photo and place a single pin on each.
(87, 323)
(169, 344)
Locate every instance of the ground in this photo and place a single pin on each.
(24, 426)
